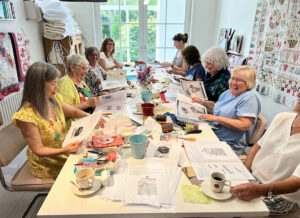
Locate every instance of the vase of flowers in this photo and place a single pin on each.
(144, 78)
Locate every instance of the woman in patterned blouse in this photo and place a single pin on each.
(178, 65)
(41, 119)
(95, 73)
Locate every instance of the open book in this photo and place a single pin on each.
(186, 108)
(193, 89)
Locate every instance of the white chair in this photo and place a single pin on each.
(11, 144)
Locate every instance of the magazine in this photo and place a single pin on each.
(194, 89)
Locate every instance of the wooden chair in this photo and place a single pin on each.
(257, 133)
(11, 144)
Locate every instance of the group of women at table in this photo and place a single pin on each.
(47, 111)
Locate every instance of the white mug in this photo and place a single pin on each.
(218, 181)
(85, 178)
(139, 107)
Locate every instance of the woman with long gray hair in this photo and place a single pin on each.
(41, 119)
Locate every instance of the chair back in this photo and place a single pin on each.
(11, 144)
(258, 129)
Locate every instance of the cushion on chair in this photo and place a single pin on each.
(11, 144)
(23, 180)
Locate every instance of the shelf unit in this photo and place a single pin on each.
(7, 11)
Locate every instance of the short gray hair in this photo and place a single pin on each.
(75, 60)
(37, 75)
(248, 74)
(217, 57)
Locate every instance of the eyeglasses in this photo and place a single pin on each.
(238, 80)
(96, 55)
(110, 43)
(84, 68)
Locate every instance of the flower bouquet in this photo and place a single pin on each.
(144, 78)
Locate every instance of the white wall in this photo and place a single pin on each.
(31, 28)
(203, 23)
(239, 15)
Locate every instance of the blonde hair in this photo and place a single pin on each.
(75, 60)
(248, 74)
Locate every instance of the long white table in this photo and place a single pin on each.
(61, 201)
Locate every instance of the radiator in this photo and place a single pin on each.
(9, 105)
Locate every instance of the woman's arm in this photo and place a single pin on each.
(240, 124)
(71, 111)
(249, 191)
(183, 68)
(103, 64)
(34, 141)
(117, 64)
(92, 102)
(177, 72)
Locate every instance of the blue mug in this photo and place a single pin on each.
(146, 96)
(138, 144)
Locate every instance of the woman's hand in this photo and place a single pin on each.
(208, 117)
(169, 71)
(93, 102)
(118, 65)
(165, 64)
(198, 100)
(102, 122)
(249, 191)
(178, 79)
(73, 147)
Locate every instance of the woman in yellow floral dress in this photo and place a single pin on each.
(41, 119)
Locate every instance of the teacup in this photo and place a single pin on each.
(85, 178)
(139, 107)
(125, 135)
(218, 181)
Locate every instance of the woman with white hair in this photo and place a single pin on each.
(73, 89)
(216, 80)
(236, 109)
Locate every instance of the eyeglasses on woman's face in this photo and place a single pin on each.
(110, 44)
(238, 80)
(83, 67)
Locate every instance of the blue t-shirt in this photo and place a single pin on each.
(195, 73)
(246, 104)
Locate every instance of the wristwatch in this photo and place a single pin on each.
(269, 191)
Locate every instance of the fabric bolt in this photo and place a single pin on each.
(92, 77)
(178, 59)
(195, 73)
(22, 55)
(52, 134)
(246, 104)
(277, 158)
(109, 62)
(8, 77)
(215, 85)
(70, 94)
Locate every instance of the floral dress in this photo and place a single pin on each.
(52, 135)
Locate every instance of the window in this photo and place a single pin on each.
(142, 32)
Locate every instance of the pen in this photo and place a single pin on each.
(96, 152)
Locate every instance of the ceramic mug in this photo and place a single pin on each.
(218, 181)
(85, 178)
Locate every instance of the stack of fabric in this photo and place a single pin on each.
(59, 21)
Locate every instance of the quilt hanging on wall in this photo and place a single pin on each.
(275, 49)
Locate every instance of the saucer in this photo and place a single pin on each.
(205, 187)
(85, 192)
(137, 113)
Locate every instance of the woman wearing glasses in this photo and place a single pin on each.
(107, 51)
(236, 109)
(73, 89)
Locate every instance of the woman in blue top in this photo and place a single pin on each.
(195, 70)
(236, 109)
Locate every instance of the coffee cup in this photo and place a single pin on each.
(139, 107)
(218, 181)
(85, 178)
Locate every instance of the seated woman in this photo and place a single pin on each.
(73, 89)
(236, 109)
(42, 121)
(216, 80)
(95, 73)
(274, 161)
(107, 51)
(195, 70)
(178, 65)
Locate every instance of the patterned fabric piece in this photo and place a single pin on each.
(92, 77)
(84, 95)
(217, 84)
(8, 75)
(22, 55)
(52, 135)
(178, 60)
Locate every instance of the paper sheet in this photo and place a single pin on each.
(116, 74)
(111, 84)
(185, 107)
(112, 102)
(194, 89)
(81, 129)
